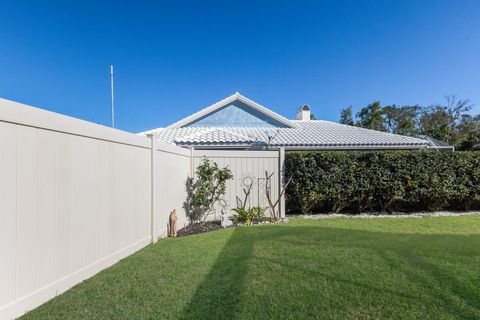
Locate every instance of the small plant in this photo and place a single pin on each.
(248, 216)
(208, 187)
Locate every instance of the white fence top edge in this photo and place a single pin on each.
(169, 148)
(22, 114)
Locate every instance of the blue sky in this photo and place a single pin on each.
(172, 58)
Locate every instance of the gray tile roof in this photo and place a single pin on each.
(437, 144)
(316, 134)
(213, 135)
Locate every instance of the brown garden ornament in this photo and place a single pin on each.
(172, 226)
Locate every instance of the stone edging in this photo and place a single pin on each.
(371, 215)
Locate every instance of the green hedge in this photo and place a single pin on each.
(334, 181)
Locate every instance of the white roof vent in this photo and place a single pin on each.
(303, 113)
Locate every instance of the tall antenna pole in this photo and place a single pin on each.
(113, 105)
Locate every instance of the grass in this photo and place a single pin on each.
(405, 268)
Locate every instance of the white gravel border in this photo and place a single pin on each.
(373, 215)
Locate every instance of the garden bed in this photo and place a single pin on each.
(208, 226)
(199, 227)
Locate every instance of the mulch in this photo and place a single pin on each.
(207, 226)
(200, 227)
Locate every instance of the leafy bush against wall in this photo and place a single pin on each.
(206, 190)
(336, 181)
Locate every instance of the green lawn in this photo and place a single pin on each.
(406, 268)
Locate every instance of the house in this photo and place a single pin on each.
(237, 122)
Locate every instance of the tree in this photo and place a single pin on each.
(449, 122)
(443, 122)
(346, 116)
(371, 117)
(469, 133)
(402, 120)
(434, 123)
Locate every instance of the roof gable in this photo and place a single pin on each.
(236, 114)
(235, 111)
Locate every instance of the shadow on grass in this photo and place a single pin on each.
(422, 260)
(219, 295)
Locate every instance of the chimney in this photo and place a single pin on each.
(303, 113)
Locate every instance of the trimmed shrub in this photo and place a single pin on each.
(334, 181)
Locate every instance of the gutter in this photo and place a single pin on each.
(325, 148)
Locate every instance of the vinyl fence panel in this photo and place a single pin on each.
(174, 168)
(247, 167)
(74, 199)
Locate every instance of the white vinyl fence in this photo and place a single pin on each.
(173, 167)
(248, 167)
(76, 197)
